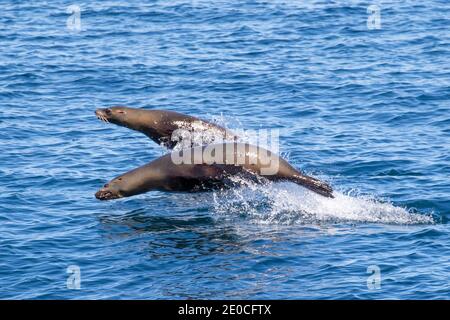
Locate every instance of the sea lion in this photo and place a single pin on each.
(167, 128)
(206, 168)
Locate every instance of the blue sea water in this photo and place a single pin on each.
(366, 109)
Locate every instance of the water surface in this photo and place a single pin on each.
(366, 110)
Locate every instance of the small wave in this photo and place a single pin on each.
(285, 203)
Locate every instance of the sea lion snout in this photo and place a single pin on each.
(106, 194)
(103, 114)
(117, 115)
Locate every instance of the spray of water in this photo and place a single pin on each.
(287, 203)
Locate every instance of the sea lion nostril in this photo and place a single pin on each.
(108, 112)
(106, 185)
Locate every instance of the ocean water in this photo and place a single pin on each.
(364, 107)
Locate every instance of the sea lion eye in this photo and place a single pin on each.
(121, 111)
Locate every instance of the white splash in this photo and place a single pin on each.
(286, 203)
(198, 133)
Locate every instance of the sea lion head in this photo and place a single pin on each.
(122, 116)
(133, 182)
(111, 190)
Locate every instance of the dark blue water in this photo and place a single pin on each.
(366, 109)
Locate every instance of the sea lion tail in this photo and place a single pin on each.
(314, 184)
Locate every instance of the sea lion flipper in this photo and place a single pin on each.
(313, 184)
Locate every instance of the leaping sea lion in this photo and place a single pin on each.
(161, 126)
(206, 168)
